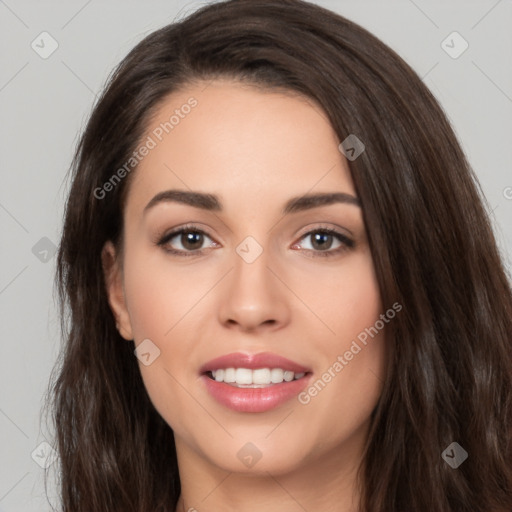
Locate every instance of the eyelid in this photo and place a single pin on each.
(315, 227)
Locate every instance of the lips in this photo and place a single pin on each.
(253, 362)
(254, 398)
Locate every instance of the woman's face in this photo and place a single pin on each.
(254, 279)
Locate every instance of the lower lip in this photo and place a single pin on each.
(254, 399)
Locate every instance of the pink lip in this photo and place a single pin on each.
(254, 399)
(253, 361)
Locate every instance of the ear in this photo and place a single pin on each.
(115, 290)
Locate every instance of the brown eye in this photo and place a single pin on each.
(191, 240)
(186, 241)
(321, 242)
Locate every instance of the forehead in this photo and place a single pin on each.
(236, 140)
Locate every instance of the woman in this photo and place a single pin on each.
(283, 287)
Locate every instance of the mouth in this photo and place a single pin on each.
(254, 382)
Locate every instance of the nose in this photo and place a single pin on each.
(254, 298)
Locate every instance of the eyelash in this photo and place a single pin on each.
(346, 242)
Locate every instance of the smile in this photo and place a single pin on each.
(253, 382)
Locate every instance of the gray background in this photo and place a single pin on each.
(45, 103)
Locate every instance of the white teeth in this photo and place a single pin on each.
(288, 376)
(276, 375)
(243, 376)
(229, 375)
(261, 376)
(256, 378)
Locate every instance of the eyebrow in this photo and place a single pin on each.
(211, 202)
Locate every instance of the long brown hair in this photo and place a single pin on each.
(450, 366)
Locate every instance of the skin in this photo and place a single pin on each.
(255, 149)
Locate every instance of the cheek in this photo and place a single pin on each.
(346, 298)
(359, 300)
(352, 356)
(360, 330)
(158, 298)
(160, 294)
(164, 301)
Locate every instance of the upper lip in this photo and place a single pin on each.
(253, 361)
